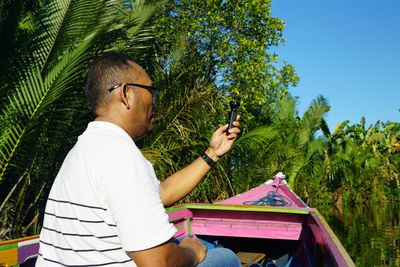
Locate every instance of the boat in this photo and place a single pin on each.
(268, 225)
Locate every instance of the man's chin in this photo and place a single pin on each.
(145, 133)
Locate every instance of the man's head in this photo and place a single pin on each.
(118, 91)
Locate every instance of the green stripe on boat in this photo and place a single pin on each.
(4, 247)
(238, 208)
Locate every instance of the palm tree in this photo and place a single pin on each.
(43, 108)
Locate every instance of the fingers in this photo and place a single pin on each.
(233, 135)
(235, 129)
(222, 129)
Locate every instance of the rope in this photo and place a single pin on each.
(273, 198)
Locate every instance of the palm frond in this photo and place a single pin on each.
(312, 119)
(45, 109)
(286, 112)
(38, 91)
(257, 139)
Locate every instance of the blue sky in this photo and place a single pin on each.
(347, 51)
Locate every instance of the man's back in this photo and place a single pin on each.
(95, 209)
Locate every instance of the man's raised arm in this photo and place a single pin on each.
(181, 183)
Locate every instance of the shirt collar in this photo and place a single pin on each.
(110, 126)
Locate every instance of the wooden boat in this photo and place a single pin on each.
(268, 225)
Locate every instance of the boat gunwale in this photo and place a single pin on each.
(332, 240)
(239, 207)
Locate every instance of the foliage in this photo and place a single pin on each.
(184, 128)
(43, 107)
(363, 162)
(209, 51)
(290, 145)
(230, 41)
(201, 54)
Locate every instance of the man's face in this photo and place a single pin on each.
(143, 110)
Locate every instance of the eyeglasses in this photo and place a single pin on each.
(151, 89)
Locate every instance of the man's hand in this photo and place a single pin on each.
(196, 246)
(181, 183)
(189, 252)
(222, 141)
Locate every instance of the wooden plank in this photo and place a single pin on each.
(250, 257)
(247, 224)
(9, 257)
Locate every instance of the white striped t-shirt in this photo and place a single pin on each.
(104, 202)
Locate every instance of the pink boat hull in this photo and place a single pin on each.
(289, 233)
(241, 220)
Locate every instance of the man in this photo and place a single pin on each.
(106, 206)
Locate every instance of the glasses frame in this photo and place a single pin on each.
(150, 88)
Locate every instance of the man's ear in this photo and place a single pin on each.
(124, 96)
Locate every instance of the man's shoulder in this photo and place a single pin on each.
(105, 137)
